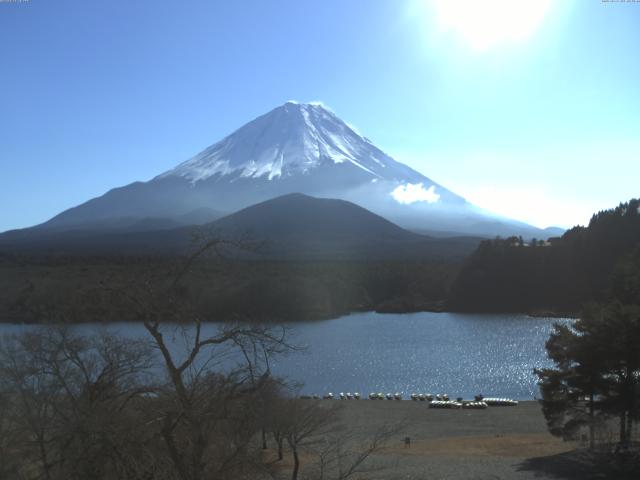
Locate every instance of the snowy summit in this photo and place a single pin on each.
(295, 148)
(292, 139)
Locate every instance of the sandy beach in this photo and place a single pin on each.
(496, 443)
(465, 444)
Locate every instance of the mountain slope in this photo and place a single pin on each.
(298, 215)
(293, 226)
(299, 226)
(293, 148)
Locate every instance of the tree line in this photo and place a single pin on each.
(559, 276)
(37, 289)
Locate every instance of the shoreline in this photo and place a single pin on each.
(532, 314)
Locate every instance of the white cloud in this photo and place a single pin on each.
(561, 185)
(320, 103)
(415, 192)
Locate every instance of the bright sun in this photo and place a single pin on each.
(484, 24)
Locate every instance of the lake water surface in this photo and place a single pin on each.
(458, 354)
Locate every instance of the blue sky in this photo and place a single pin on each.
(534, 114)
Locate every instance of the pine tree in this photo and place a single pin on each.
(597, 362)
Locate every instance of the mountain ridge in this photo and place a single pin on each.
(293, 227)
(295, 147)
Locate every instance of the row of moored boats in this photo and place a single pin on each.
(435, 401)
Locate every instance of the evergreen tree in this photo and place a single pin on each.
(574, 270)
(597, 359)
(570, 391)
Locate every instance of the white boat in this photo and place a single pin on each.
(444, 404)
(500, 402)
(474, 405)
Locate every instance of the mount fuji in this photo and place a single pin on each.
(294, 148)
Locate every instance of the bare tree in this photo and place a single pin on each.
(208, 417)
(306, 422)
(341, 455)
(70, 398)
(315, 429)
(276, 418)
(9, 461)
(206, 412)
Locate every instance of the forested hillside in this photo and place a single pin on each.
(559, 276)
(84, 289)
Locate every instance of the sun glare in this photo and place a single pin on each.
(484, 24)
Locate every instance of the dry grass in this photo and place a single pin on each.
(514, 445)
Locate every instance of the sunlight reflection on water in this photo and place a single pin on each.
(457, 354)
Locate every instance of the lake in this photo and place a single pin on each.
(457, 354)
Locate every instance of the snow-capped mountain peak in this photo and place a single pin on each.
(295, 138)
(295, 148)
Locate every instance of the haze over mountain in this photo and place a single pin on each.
(296, 147)
(294, 227)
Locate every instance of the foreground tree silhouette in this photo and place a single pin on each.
(598, 358)
(306, 421)
(81, 406)
(70, 409)
(208, 415)
(211, 420)
(189, 402)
